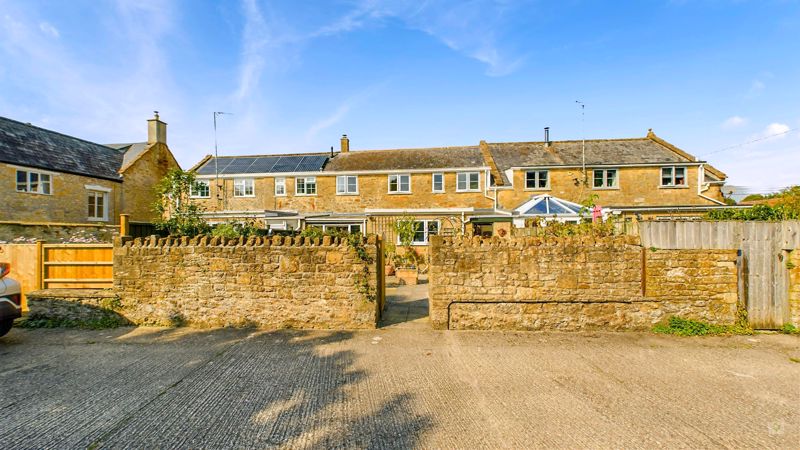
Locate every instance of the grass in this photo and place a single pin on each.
(99, 323)
(790, 329)
(687, 327)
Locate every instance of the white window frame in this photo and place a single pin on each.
(40, 183)
(425, 232)
(194, 193)
(94, 193)
(240, 186)
(346, 184)
(673, 176)
(397, 177)
(433, 182)
(605, 178)
(349, 226)
(280, 182)
(467, 181)
(306, 182)
(537, 179)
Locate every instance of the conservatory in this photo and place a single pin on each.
(551, 209)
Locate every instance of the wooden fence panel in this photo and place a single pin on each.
(77, 266)
(24, 265)
(764, 246)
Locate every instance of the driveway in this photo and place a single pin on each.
(395, 387)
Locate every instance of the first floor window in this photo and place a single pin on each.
(243, 187)
(468, 181)
(280, 186)
(400, 184)
(423, 230)
(346, 184)
(605, 178)
(537, 179)
(306, 186)
(200, 189)
(98, 205)
(34, 182)
(438, 182)
(673, 176)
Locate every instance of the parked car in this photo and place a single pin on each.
(10, 299)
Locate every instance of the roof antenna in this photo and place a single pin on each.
(583, 142)
(216, 151)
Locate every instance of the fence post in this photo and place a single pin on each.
(39, 264)
(124, 225)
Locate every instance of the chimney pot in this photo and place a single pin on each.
(547, 136)
(156, 130)
(345, 144)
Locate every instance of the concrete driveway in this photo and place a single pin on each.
(395, 388)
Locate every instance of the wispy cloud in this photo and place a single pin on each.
(254, 44)
(341, 111)
(776, 130)
(49, 29)
(734, 122)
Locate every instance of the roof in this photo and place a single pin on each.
(408, 159)
(227, 165)
(547, 206)
(30, 146)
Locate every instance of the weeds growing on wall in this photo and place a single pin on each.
(100, 323)
(688, 327)
(789, 329)
(356, 242)
(558, 229)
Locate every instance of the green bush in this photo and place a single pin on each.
(790, 329)
(235, 229)
(688, 327)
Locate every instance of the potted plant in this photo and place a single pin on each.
(406, 263)
(389, 254)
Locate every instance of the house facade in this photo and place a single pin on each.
(55, 185)
(472, 189)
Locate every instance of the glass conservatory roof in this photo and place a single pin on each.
(545, 205)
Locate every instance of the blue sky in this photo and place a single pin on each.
(704, 75)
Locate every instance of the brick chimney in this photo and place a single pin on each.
(345, 144)
(156, 130)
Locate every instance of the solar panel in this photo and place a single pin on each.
(287, 163)
(239, 165)
(311, 163)
(263, 165)
(210, 168)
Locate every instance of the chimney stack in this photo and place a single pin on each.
(156, 130)
(345, 144)
(547, 136)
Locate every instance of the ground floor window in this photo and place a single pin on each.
(423, 230)
(97, 205)
(347, 228)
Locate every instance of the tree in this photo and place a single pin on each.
(177, 214)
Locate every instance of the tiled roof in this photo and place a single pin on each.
(130, 151)
(30, 146)
(407, 159)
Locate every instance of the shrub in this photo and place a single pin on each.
(688, 327)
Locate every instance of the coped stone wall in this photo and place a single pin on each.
(575, 283)
(263, 282)
(793, 264)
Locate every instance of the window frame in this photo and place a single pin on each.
(305, 193)
(433, 183)
(95, 194)
(399, 183)
(605, 178)
(280, 181)
(349, 226)
(346, 185)
(40, 183)
(194, 194)
(537, 179)
(244, 194)
(468, 181)
(426, 234)
(673, 176)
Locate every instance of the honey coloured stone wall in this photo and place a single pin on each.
(793, 264)
(261, 282)
(575, 283)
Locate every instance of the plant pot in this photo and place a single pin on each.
(388, 270)
(407, 275)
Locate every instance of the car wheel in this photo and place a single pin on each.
(5, 326)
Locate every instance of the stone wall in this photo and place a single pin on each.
(140, 178)
(575, 283)
(55, 233)
(794, 287)
(269, 283)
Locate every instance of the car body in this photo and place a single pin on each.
(10, 299)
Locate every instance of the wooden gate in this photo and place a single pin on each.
(764, 247)
(76, 266)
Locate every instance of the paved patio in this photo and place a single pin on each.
(395, 387)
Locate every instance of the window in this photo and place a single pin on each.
(243, 187)
(605, 178)
(400, 184)
(305, 186)
(280, 187)
(348, 228)
(673, 176)
(33, 182)
(438, 182)
(468, 181)
(346, 184)
(424, 229)
(537, 179)
(200, 189)
(97, 205)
